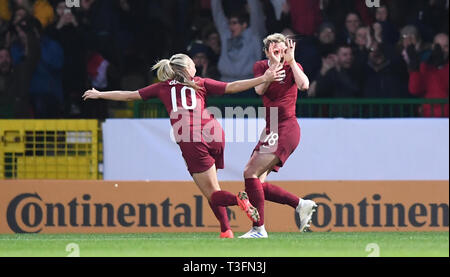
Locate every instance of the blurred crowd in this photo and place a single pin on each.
(50, 53)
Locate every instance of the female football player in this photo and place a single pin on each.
(277, 143)
(202, 146)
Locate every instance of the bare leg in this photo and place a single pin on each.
(260, 164)
(218, 200)
(207, 182)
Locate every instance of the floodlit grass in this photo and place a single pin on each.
(392, 244)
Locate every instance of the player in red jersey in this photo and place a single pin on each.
(281, 136)
(199, 136)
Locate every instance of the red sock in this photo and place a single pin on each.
(279, 195)
(255, 193)
(221, 215)
(223, 198)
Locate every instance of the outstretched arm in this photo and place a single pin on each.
(272, 74)
(262, 88)
(118, 95)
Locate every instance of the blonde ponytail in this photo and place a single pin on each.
(164, 70)
(175, 69)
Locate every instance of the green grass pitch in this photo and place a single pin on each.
(395, 244)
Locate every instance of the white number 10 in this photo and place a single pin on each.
(183, 99)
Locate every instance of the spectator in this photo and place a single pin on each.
(241, 42)
(66, 31)
(430, 17)
(337, 78)
(150, 24)
(277, 14)
(46, 84)
(327, 34)
(431, 80)
(40, 9)
(124, 37)
(411, 40)
(385, 76)
(200, 54)
(310, 50)
(211, 38)
(352, 23)
(389, 32)
(337, 10)
(5, 13)
(99, 20)
(305, 16)
(43, 11)
(103, 75)
(363, 41)
(15, 77)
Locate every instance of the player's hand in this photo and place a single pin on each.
(289, 56)
(275, 73)
(275, 54)
(91, 94)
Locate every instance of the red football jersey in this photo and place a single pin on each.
(282, 95)
(186, 107)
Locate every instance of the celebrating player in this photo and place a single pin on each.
(202, 146)
(276, 146)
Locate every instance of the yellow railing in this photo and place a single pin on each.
(49, 149)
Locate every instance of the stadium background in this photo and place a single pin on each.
(374, 152)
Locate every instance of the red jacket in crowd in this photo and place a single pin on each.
(305, 16)
(431, 82)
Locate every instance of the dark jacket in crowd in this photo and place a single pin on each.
(338, 84)
(387, 81)
(15, 86)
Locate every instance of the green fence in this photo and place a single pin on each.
(316, 108)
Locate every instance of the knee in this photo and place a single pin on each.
(210, 194)
(250, 173)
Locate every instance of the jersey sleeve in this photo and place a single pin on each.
(258, 69)
(149, 92)
(215, 87)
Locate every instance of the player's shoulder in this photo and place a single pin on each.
(199, 81)
(260, 66)
(262, 63)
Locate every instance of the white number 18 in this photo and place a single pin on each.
(183, 99)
